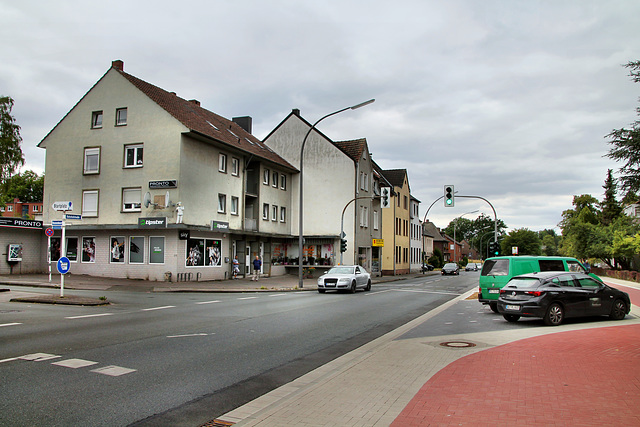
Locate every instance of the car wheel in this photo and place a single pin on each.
(494, 307)
(511, 317)
(322, 291)
(353, 287)
(555, 315)
(619, 310)
(368, 288)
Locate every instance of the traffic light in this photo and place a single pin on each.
(385, 194)
(343, 245)
(494, 248)
(449, 198)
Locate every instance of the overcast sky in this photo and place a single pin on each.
(509, 100)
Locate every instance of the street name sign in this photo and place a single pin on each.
(62, 206)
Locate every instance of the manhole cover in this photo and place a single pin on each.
(457, 344)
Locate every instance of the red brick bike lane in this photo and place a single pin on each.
(589, 377)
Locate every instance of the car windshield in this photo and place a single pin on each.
(524, 282)
(340, 270)
(495, 267)
(450, 265)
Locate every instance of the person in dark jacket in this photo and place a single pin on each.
(256, 269)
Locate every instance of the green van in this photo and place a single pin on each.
(497, 271)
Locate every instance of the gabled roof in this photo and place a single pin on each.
(395, 176)
(353, 148)
(431, 230)
(203, 122)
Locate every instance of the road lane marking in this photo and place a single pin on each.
(89, 315)
(10, 324)
(38, 357)
(426, 292)
(74, 363)
(208, 302)
(277, 295)
(247, 298)
(158, 308)
(377, 292)
(187, 335)
(11, 359)
(113, 371)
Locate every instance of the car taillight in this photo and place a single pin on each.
(502, 291)
(480, 290)
(534, 293)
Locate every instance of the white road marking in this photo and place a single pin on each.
(377, 292)
(247, 298)
(426, 292)
(74, 363)
(208, 302)
(38, 357)
(187, 335)
(10, 324)
(277, 295)
(114, 371)
(158, 308)
(11, 359)
(89, 315)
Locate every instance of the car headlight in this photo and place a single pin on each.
(344, 280)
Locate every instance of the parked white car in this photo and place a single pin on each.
(344, 277)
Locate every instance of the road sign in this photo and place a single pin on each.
(72, 216)
(62, 206)
(63, 265)
(49, 232)
(57, 224)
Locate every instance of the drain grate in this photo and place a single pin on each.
(457, 344)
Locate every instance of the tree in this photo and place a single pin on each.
(26, 187)
(11, 157)
(610, 208)
(550, 242)
(527, 242)
(626, 145)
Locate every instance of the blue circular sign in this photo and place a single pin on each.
(63, 265)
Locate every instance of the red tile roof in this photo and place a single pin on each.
(353, 148)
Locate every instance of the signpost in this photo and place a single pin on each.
(63, 261)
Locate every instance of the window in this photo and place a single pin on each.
(265, 211)
(121, 117)
(117, 248)
(283, 182)
(222, 203)
(235, 166)
(265, 177)
(274, 213)
(375, 220)
(89, 249)
(10, 208)
(72, 249)
(92, 160)
(36, 208)
(133, 156)
(136, 250)
(222, 163)
(156, 250)
(90, 203)
(283, 214)
(131, 200)
(234, 205)
(275, 180)
(96, 120)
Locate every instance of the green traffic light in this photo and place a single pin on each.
(449, 201)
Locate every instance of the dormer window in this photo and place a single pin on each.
(121, 117)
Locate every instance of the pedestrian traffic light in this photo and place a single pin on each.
(385, 194)
(449, 198)
(343, 245)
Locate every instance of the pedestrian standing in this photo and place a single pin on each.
(236, 267)
(256, 269)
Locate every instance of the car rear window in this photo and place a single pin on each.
(551, 265)
(524, 282)
(495, 267)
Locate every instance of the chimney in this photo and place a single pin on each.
(118, 65)
(195, 101)
(296, 112)
(244, 122)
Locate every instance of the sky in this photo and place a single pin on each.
(507, 100)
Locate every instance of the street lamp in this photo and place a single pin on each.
(455, 222)
(304, 141)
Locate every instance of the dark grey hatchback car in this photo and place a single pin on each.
(555, 296)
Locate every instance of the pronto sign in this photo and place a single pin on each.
(62, 206)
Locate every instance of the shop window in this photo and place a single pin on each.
(156, 250)
(117, 247)
(89, 249)
(136, 250)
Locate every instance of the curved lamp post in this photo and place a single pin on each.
(304, 141)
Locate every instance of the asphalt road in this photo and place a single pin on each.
(183, 359)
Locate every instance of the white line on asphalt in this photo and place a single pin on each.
(378, 292)
(426, 292)
(38, 357)
(114, 371)
(10, 324)
(208, 302)
(248, 298)
(187, 335)
(277, 295)
(74, 363)
(11, 359)
(158, 308)
(89, 315)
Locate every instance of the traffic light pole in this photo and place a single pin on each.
(342, 235)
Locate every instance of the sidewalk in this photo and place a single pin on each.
(578, 374)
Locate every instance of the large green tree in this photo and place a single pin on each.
(11, 157)
(26, 187)
(610, 209)
(626, 145)
(527, 242)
